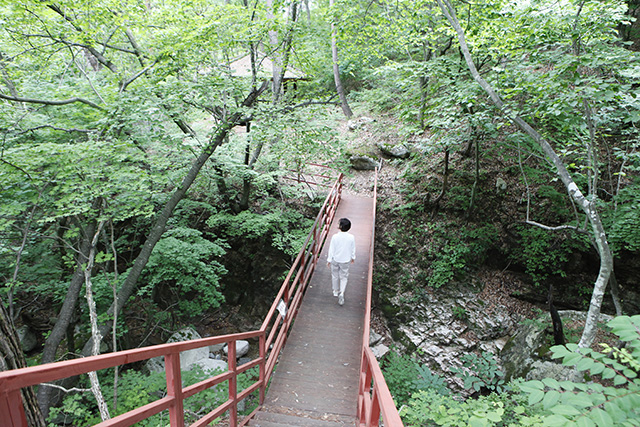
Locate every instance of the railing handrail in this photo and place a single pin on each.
(374, 398)
(291, 291)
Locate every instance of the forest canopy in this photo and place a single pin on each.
(137, 163)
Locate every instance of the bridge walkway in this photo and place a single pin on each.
(316, 380)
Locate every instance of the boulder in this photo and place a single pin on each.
(374, 338)
(216, 348)
(545, 369)
(187, 358)
(355, 124)
(525, 347)
(526, 354)
(210, 366)
(501, 185)
(242, 348)
(379, 351)
(364, 163)
(399, 151)
(448, 324)
(27, 337)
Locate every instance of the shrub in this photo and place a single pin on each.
(612, 399)
(428, 408)
(185, 263)
(481, 373)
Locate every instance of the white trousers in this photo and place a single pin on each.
(339, 276)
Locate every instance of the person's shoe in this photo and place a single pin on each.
(341, 300)
(336, 293)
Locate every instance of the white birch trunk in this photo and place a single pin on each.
(95, 333)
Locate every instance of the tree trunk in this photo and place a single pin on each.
(336, 71)
(558, 333)
(306, 7)
(588, 207)
(65, 316)
(95, 334)
(476, 177)
(445, 177)
(275, 54)
(11, 357)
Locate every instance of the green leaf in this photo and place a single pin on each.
(608, 373)
(584, 364)
(600, 417)
(551, 383)
(619, 380)
(550, 398)
(585, 422)
(555, 421)
(597, 368)
(530, 386)
(567, 385)
(535, 397)
(617, 414)
(565, 410)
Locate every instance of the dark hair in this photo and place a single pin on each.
(344, 224)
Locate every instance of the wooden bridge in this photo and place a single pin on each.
(326, 374)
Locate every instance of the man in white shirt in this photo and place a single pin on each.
(342, 251)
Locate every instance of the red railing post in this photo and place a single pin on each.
(233, 384)
(11, 407)
(263, 360)
(174, 389)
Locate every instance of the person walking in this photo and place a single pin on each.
(342, 252)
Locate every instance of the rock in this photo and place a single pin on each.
(399, 151)
(541, 370)
(242, 348)
(354, 124)
(243, 360)
(524, 348)
(374, 338)
(526, 354)
(187, 358)
(364, 163)
(380, 351)
(210, 366)
(216, 348)
(154, 365)
(501, 185)
(442, 335)
(27, 337)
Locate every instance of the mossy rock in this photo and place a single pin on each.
(364, 163)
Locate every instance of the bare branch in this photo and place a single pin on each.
(55, 128)
(557, 228)
(16, 166)
(136, 75)
(66, 390)
(51, 102)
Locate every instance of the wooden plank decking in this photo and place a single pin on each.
(316, 379)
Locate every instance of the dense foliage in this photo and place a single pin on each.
(128, 122)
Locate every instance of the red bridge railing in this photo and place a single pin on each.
(374, 399)
(272, 336)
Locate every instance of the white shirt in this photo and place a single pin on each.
(342, 247)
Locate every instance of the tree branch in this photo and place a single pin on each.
(131, 79)
(51, 102)
(55, 128)
(557, 228)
